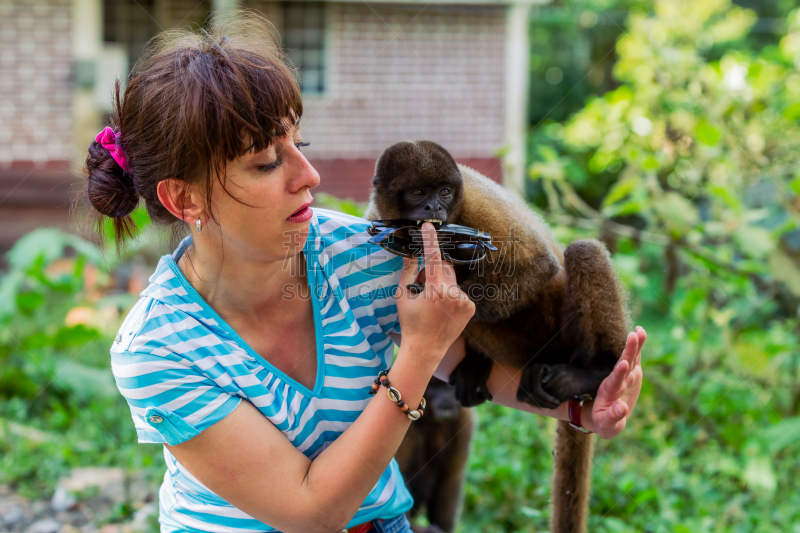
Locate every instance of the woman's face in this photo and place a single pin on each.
(274, 183)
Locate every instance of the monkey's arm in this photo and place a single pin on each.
(610, 410)
(503, 383)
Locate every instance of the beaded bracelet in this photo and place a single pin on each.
(394, 395)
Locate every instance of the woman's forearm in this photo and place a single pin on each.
(248, 462)
(503, 383)
(342, 476)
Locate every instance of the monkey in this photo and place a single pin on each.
(433, 457)
(561, 314)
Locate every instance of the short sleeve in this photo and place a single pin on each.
(170, 400)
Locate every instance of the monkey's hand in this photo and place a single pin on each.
(619, 392)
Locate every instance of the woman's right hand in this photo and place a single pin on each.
(434, 318)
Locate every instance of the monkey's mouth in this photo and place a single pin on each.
(434, 221)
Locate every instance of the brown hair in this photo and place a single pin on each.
(192, 103)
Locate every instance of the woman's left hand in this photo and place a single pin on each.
(619, 392)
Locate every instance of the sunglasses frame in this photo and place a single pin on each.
(381, 230)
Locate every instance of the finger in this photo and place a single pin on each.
(642, 337)
(448, 272)
(613, 385)
(619, 410)
(433, 257)
(631, 349)
(408, 274)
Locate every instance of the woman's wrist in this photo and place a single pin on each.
(586, 416)
(421, 355)
(410, 373)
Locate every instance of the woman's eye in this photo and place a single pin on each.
(445, 192)
(301, 144)
(272, 166)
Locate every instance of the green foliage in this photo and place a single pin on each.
(59, 406)
(688, 171)
(351, 207)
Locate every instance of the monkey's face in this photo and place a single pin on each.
(428, 201)
(417, 180)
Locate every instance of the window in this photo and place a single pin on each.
(304, 42)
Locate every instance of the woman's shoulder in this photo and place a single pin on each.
(166, 318)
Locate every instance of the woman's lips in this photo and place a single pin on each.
(302, 215)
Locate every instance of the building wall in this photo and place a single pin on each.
(399, 73)
(36, 122)
(35, 81)
(394, 72)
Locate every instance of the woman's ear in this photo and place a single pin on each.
(180, 199)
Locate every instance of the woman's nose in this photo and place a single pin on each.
(305, 175)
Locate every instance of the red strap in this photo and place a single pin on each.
(575, 405)
(366, 527)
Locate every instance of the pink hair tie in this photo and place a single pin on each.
(108, 139)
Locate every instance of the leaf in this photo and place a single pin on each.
(725, 194)
(45, 245)
(752, 357)
(677, 213)
(547, 153)
(627, 208)
(28, 301)
(779, 435)
(784, 269)
(792, 111)
(691, 301)
(754, 241)
(651, 163)
(759, 473)
(620, 190)
(706, 133)
(74, 336)
(530, 512)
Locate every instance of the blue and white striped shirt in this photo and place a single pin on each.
(182, 368)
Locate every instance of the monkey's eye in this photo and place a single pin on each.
(417, 192)
(445, 192)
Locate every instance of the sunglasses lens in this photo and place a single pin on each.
(402, 246)
(467, 251)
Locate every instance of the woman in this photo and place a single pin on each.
(207, 134)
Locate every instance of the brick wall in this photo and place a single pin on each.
(398, 73)
(35, 80)
(408, 73)
(35, 115)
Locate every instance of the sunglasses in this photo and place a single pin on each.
(459, 245)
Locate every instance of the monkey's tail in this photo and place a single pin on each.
(572, 475)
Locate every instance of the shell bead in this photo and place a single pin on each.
(394, 394)
(414, 415)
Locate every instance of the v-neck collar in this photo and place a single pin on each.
(311, 254)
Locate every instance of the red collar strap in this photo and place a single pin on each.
(575, 405)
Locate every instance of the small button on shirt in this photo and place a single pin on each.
(181, 368)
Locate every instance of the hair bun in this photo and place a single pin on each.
(110, 190)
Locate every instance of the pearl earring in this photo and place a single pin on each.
(199, 225)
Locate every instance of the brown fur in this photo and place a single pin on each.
(566, 324)
(433, 457)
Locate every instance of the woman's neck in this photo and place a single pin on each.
(240, 287)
